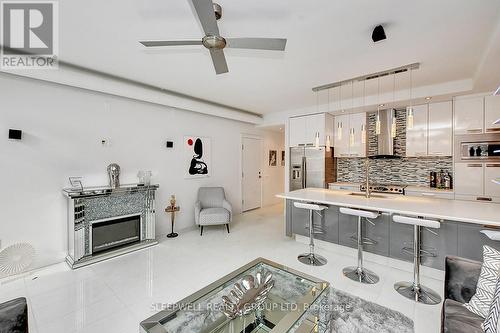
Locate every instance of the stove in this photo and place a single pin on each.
(384, 188)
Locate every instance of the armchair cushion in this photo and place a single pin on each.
(211, 197)
(461, 276)
(214, 216)
(457, 319)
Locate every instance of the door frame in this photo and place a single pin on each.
(256, 137)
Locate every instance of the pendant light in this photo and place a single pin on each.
(316, 140)
(393, 113)
(328, 140)
(363, 127)
(351, 129)
(409, 111)
(339, 124)
(377, 121)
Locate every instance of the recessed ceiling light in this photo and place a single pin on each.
(428, 98)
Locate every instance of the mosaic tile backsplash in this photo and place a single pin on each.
(405, 170)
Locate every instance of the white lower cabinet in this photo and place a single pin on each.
(492, 179)
(469, 179)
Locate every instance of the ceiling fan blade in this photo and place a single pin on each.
(206, 15)
(219, 61)
(153, 43)
(274, 44)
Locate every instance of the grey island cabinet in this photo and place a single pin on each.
(395, 240)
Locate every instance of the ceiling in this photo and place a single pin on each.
(327, 41)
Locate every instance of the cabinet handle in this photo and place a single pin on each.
(475, 130)
(493, 129)
(483, 199)
(344, 155)
(474, 165)
(436, 153)
(493, 165)
(302, 144)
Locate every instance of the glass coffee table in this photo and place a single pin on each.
(292, 305)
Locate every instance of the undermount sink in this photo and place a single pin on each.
(372, 195)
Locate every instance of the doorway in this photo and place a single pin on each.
(251, 175)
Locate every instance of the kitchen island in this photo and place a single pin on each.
(461, 223)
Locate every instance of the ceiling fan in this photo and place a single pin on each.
(208, 14)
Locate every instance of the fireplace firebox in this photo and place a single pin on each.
(116, 232)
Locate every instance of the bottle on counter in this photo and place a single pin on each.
(451, 180)
(440, 179)
(446, 181)
(432, 179)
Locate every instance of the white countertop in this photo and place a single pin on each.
(455, 210)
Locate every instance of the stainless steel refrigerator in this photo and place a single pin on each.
(311, 167)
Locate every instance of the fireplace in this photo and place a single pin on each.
(115, 232)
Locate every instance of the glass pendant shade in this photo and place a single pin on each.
(377, 124)
(409, 118)
(339, 131)
(316, 140)
(363, 134)
(393, 124)
(351, 137)
(328, 143)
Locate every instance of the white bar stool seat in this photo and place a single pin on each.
(359, 273)
(311, 258)
(491, 234)
(414, 290)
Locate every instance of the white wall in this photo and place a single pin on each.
(62, 132)
(273, 177)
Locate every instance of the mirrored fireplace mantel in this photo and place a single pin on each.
(105, 222)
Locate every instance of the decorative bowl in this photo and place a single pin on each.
(248, 295)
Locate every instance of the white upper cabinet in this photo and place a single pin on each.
(303, 130)
(416, 137)
(491, 113)
(440, 129)
(341, 136)
(357, 127)
(469, 115)
(349, 132)
(469, 179)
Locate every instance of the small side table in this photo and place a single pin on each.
(172, 211)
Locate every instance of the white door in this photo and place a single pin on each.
(416, 137)
(440, 129)
(251, 181)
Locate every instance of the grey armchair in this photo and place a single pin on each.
(212, 208)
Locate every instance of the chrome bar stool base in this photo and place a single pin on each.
(419, 294)
(312, 259)
(360, 275)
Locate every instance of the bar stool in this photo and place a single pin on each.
(359, 273)
(414, 290)
(311, 258)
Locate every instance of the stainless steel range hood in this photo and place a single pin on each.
(385, 141)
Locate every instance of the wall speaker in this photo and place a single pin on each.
(378, 34)
(15, 134)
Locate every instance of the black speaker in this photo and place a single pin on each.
(170, 144)
(378, 34)
(15, 134)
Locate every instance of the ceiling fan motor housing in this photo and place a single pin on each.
(214, 42)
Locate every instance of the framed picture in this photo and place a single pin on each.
(282, 158)
(273, 158)
(197, 156)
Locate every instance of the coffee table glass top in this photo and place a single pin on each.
(285, 310)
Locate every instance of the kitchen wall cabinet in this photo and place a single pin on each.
(349, 133)
(432, 132)
(492, 174)
(440, 135)
(416, 137)
(469, 179)
(491, 114)
(469, 115)
(302, 130)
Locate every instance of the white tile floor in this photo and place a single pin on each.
(115, 295)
